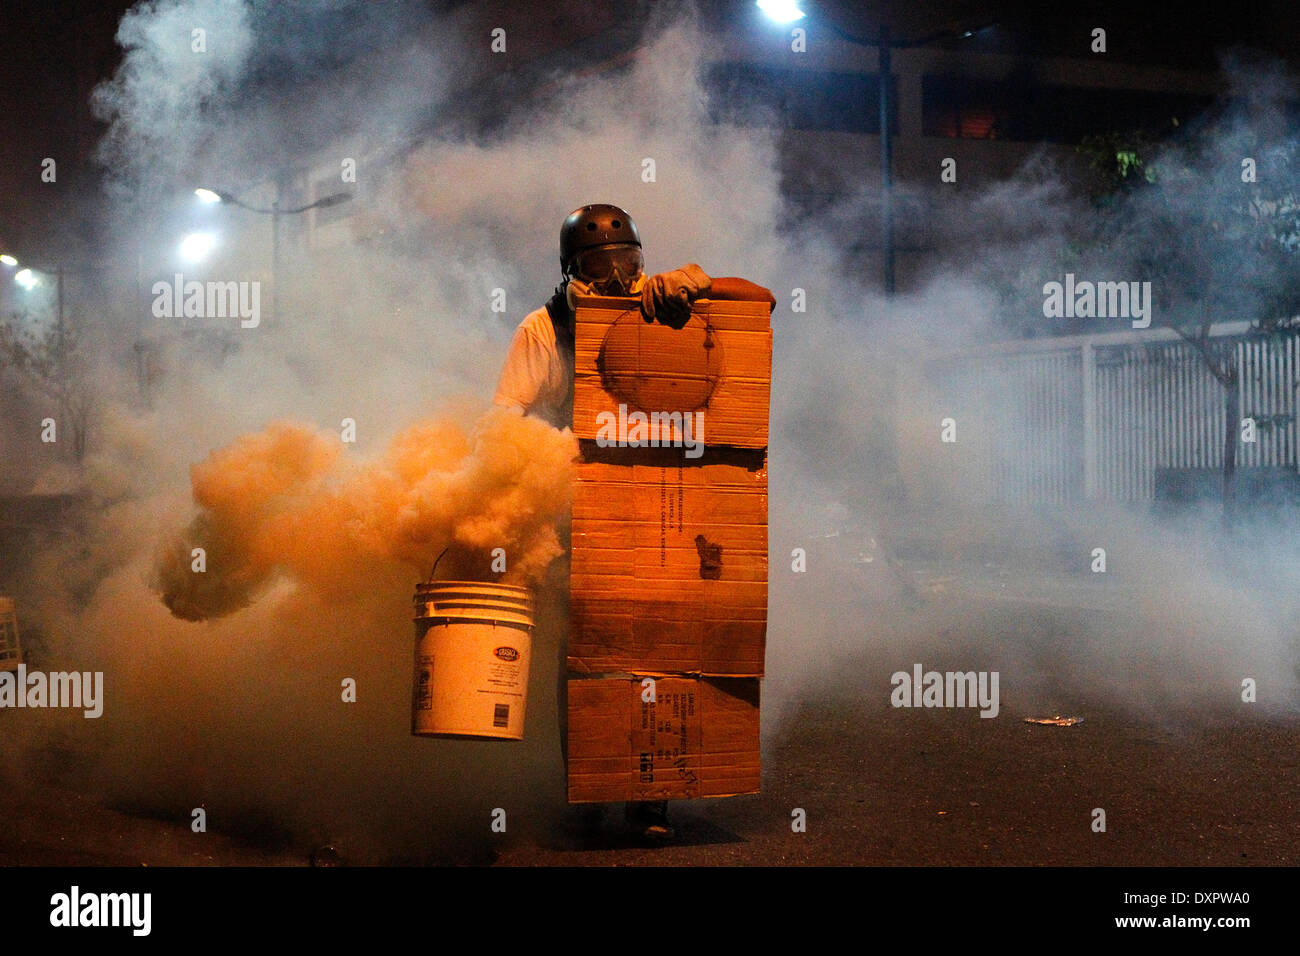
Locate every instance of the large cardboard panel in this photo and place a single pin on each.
(699, 738)
(720, 364)
(669, 567)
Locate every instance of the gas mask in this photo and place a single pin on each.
(576, 287)
(610, 270)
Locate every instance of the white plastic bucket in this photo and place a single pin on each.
(473, 641)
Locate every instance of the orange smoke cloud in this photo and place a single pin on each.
(292, 501)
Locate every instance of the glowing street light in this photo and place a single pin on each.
(885, 44)
(781, 11)
(211, 196)
(28, 279)
(275, 211)
(196, 246)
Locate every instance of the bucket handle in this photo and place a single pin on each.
(436, 560)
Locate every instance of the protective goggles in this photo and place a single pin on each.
(598, 266)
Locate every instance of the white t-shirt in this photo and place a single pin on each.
(537, 377)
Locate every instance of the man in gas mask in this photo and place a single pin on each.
(600, 254)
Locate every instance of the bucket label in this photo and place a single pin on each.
(478, 685)
(424, 684)
(504, 678)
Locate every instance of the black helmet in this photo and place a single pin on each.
(599, 224)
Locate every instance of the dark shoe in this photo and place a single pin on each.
(650, 819)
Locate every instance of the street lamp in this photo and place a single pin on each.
(220, 196)
(781, 11)
(885, 44)
(215, 196)
(27, 278)
(196, 246)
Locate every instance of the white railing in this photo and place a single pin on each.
(1055, 421)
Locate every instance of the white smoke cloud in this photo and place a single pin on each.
(395, 331)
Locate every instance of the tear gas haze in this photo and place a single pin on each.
(222, 687)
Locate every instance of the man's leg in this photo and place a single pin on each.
(649, 819)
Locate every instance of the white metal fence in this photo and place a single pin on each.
(1063, 420)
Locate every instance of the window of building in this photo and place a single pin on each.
(960, 107)
(750, 94)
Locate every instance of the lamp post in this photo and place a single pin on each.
(26, 277)
(60, 379)
(275, 212)
(786, 11)
(885, 57)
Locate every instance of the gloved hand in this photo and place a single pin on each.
(667, 296)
